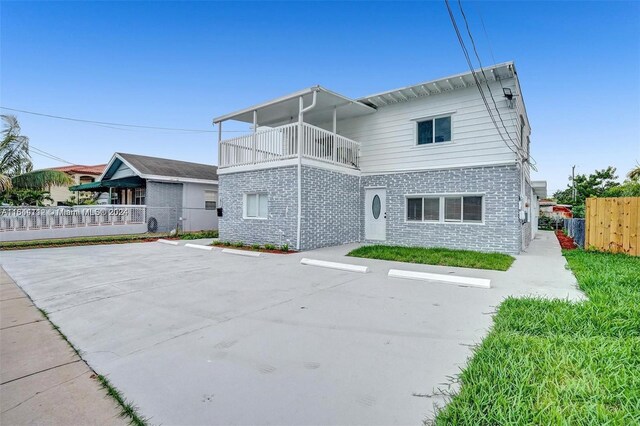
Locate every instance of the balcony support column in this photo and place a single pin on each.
(220, 159)
(335, 134)
(255, 130)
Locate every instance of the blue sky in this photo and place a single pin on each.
(178, 64)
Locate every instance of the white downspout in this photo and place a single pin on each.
(301, 111)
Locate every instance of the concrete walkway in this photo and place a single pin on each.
(202, 337)
(42, 380)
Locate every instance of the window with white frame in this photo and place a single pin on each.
(210, 200)
(255, 206)
(139, 195)
(433, 130)
(445, 208)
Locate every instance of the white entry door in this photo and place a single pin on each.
(375, 214)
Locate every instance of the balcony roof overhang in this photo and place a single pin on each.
(284, 110)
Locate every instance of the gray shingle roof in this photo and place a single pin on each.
(170, 168)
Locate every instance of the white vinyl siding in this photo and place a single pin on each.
(388, 136)
(255, 206)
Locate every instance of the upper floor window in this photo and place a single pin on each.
(434, 130)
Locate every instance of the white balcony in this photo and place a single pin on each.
(281, 143)
(293, 127)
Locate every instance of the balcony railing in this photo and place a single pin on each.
(281, 143)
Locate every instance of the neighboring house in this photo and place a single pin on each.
(174, 192)
(554, 210)
(423, 165)
(79, 174)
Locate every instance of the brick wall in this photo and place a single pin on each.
(164, 202)
(501, 230)
(281, 185)
(331, 212)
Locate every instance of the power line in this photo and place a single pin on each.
(104, 123)
(46, 154)
(486, 81)
(475, 77)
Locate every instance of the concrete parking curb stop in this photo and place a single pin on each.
(242, 252)
(173, 243)
(198, 246)
(449, 279)
(335, 265)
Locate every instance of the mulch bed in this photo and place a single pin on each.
(74, 244)
(566, 242)
(249, 248)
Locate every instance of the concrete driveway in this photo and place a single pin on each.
(197, 337)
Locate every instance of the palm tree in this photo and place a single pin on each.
(16, 168)
(634, 174)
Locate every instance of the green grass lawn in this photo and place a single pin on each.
(436, 256)
(557, 362)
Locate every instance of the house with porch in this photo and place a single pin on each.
(80, 174)
(443, 163)
(175, 193)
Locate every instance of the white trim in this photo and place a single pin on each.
(244, 205)
(157, 178)
(152, 177)
(450, 279)
(289, 97)
(508, 65)
(433, 119)
(335, 265)
(287, 163)
(259, 166)
(450, 167)
(442, 196)
(329, 166)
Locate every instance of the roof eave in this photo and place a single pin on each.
(286, 98)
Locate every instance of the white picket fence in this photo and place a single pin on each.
(30, 223)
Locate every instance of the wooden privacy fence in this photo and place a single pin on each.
(613, 224)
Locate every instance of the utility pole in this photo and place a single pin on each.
(573, 182)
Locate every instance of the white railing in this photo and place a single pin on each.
(18, 219)
(281, 143)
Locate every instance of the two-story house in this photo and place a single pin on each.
(436, 164)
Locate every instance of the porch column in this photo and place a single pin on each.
(300, 127)
(220, 162)
(255, 130)
(335, 134)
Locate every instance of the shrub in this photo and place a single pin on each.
(255, 246)
(284, 247)
(238, 244)
(226, 243)
(200, 234)
(269, 246)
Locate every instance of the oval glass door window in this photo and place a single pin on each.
(375, 207)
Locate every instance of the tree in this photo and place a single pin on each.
(594, 185)
(16, 168)
(634, 174)
(25, 197)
